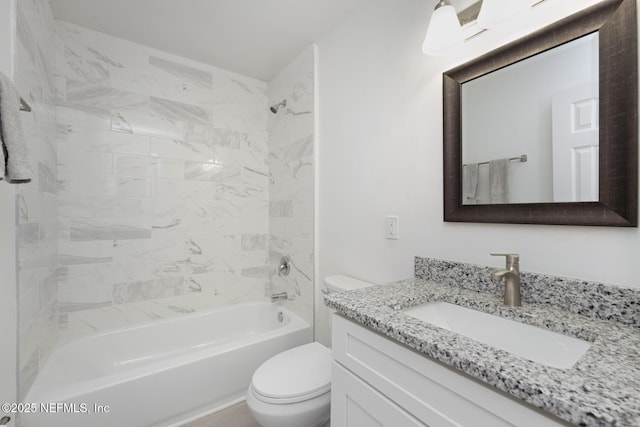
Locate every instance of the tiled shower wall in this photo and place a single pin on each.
(291, 190)
(37, 210)
(163, 183)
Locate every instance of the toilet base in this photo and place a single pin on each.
(314, 412)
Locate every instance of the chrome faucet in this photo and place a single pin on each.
(280, 296)
(511, 275)
(285, 266)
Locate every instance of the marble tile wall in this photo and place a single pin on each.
(291, 186)
(162, 183)
(37, 200)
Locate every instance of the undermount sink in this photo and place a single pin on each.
(533, 343)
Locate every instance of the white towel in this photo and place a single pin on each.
(499, 181)
(470, 184)
(14, 163)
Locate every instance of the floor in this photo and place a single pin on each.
(234, 416)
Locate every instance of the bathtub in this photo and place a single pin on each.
(163, 373)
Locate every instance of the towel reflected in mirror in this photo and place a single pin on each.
(470, 184)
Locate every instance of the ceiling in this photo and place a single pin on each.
(256, 38)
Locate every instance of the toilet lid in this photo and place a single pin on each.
(294, 375)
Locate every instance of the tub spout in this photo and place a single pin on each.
(280, 296)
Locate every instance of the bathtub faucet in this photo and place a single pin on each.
(285, 266)
(280, 296)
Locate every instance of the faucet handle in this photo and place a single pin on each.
(511, 258)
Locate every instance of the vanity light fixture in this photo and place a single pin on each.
(444, 31)
(445, 28)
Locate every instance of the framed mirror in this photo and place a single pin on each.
(544, 130)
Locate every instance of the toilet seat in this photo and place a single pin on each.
(295, 375)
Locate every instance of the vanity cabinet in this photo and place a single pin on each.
(361, 405)
(378, 382)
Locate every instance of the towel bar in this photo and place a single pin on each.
(522, 158)
(24, 106)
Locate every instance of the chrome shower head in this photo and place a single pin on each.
(274, 108)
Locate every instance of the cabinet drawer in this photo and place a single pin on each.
(435, 394)
(356, 404)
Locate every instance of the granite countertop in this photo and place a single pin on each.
(602, 389)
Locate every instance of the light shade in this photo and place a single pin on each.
(444, 30)
(494, 12)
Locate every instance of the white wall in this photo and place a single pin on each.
(8, 301)
(381, 153)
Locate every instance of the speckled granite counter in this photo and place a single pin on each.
(602, 389)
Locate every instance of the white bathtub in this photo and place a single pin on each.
(163, 373)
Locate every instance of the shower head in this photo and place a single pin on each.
(274, 108)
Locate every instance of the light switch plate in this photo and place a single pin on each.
(392, 230)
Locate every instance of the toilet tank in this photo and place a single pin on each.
(340, 283)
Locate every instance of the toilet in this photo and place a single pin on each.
(293, 388)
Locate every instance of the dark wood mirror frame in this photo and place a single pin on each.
(615, 20)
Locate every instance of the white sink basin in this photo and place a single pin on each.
(533, 343)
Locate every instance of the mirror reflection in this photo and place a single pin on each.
(530, 130)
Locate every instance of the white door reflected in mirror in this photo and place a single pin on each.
(575, 144)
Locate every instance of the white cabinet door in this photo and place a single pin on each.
(354, 403)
